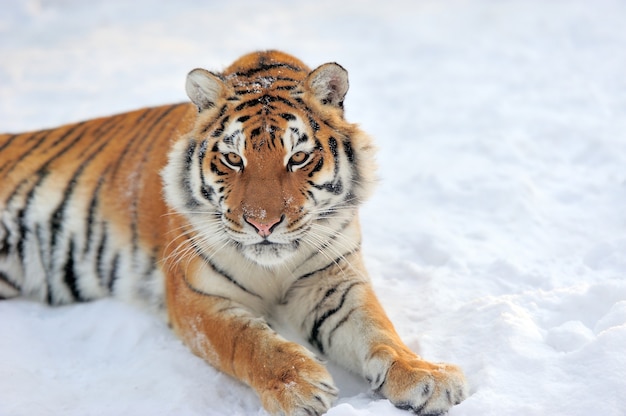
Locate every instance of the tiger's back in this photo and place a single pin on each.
(81, 207)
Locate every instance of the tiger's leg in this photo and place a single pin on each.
(288, 378)
(345, 321)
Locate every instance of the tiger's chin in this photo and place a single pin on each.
(269, 254)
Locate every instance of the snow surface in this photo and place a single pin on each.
(497, 237)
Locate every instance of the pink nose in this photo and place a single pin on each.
(266, 227)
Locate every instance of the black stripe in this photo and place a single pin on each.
(219, 271)
(70, 278)
(147, 274)
(45, 258)
(91, 213)
(272, 132)
(245, 90)
(44, 255)
(199, 292)
(5, 248)
(202, 154)
(100, 254)
(328, 266)
(314, 338)
(264, 100)
(255, 132)
(339, 324)
(318, 144)
(314, 124)
(332, 144)
(108, 125)
(214, 120)
(80, 128)
(218, 131)
(320, 250)
(336, 185)
(266, 67)
(23, 231)
(303, 138)
(228, 277)
(114, 274)
(288, 80)
(267, 83)
(8, 142)
(216, 170)
(283, 100)
(6, 279)
(23, 228)
(311, 196)
(230, 139)
(312, 118)
(206, 190)
(317, 168)
(334, 188)
(152, 264)
(42, 135)
(186, 184)
(204, 187)
(349, 200)
(347, 148)
(250, 103)
(191, 150)
(49, 298)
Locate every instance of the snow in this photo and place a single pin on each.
(496, 239)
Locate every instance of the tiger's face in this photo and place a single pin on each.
(261, 170)
(272, 168)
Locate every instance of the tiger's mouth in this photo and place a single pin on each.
(267, 246)
(268, 253)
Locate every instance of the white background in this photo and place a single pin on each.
(496, 239)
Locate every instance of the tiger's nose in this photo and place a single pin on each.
(266, 227)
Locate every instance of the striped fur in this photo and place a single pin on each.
(221, 214)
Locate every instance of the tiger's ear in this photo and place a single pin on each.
(204, 88)
(329, 84)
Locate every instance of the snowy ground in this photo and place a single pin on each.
(497, 237)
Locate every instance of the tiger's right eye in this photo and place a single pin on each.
(233, 160)
(297, 159)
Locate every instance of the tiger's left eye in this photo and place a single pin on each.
(298, 159)
(234, 160)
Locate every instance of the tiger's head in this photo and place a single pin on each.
(271, 166)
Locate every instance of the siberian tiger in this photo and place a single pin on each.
(215, 214)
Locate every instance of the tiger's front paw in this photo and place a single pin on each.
(300, 385)
(420, 386)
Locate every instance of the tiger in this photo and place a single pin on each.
(222, 215)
